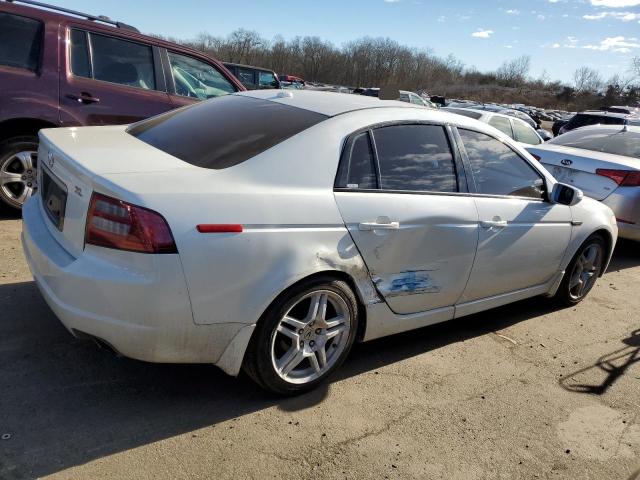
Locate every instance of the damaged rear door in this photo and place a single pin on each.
(401, 191)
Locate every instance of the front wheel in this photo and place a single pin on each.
(303, 337)
(18, 174)
(582, 272)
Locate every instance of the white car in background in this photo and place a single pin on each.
(270, 230)
(514, 128)
(604, 162)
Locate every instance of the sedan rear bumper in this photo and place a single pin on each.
(625, 203)
(136, 303)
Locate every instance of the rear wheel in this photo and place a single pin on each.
(18, 174)
(304, 337)
(583, 271)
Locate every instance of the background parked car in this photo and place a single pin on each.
(604, 162)
(254, 78)
(110, 74)
(403, 96)
(513, 127)
(598, 117)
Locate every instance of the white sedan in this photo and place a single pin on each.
(270, 230)
(604, 162)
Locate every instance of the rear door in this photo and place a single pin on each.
(401, 191)
(109, 80)
(522, 236)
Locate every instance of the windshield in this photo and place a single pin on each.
(607, 141)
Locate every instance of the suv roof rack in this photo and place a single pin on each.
(93, 18)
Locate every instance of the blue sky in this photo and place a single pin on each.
(560, 35)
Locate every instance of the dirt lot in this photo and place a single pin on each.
(521, 392)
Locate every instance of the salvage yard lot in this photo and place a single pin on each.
(517, 392)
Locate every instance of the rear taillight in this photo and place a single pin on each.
(113, 223)
(624, 178)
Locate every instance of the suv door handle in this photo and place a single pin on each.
(83, 98)
(493, 223)
(367, 226)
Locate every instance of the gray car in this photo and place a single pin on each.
(604, 162)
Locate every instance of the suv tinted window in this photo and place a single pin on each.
(502, 124)
(267, 80)
(224, 131)
(123, 62)
(415, 157)
(247, 77)
(20, 41)
(498, 170)
(79, 51)
(525, 134)
(197, 79)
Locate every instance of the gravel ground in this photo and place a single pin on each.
(521, 392)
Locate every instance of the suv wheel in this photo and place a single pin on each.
(304, 336)
(18, 174)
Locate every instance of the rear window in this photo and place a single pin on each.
(583, 120)
(224, 131)
(616, 143)
(466, 113)
(20, 41)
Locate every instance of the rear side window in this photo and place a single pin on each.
(247, 77)
(361, 172)
(123, 62)
(502, 124)
(415, 157)
(267, 80)
(20, 41)
(224, 131)
(498, 170)
(525, 134)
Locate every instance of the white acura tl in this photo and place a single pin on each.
(269, 231)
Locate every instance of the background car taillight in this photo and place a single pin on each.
(624, 178)
(113, 223)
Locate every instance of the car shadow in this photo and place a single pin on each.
(8, 213)
(626, 255)
(65, 402)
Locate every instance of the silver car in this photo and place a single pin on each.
(604, 162)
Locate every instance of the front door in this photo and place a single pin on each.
(110, 80)
(402, 203)
(522, 236)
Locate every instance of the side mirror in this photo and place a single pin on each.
(566, 194)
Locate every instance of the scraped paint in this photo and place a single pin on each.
(408, 283)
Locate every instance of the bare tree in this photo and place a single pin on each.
(586, 79)
(513, 73)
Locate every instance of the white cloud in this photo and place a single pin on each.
(616, 44)
(391, 1)
(442, 19)
(513, 12)
(624, 16)
(540, 17)
(482, 33)
(615, 3)
(555, 45)
(508, 46)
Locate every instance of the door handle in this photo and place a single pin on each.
(83, 98)
(493, 223)
(368, 226)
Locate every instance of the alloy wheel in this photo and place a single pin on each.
(18, 177)
(585, 271)
(310, 337)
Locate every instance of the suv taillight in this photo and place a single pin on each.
(113, 223)
(624, 178)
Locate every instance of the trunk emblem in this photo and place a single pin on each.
(50, 159)
(566, 161)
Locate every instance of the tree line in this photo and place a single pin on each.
(369, 62)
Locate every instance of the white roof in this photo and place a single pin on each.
(325, 103)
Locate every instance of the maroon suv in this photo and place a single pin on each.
(72, 69)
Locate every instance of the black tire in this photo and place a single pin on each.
(258, 363)
(8, 148)
(565, 296)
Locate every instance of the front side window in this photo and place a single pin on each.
(525, 134)
(498, 170)
(123, 62)
(415, 157)
(247, 78)
(197, 79)
(267, 80)
(502, 124)
(79, 52)
(20, 41)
